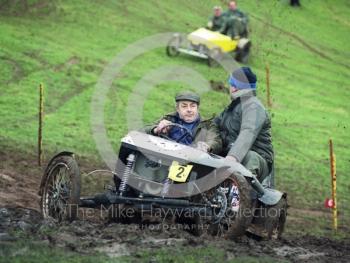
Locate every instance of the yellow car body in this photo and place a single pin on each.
(212, 39)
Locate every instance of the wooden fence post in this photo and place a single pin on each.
(40, 134)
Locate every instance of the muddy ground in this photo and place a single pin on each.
(130, 240)
(19, 211)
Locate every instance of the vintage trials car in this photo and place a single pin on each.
(201, 190)
(210, 45)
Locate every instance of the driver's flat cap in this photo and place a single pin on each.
(187, 95)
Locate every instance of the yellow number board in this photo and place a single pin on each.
(179, 173)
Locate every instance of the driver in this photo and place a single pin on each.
(202, 134)
(236, 22)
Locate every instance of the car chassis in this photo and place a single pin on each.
(155, 173)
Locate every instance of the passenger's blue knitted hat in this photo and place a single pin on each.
(243, 78)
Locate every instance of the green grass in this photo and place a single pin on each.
(36, 252)
(28, 252)
(192, 255)
(67, 49)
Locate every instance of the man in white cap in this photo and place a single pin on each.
(217, 21)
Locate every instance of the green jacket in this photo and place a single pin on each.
(236, 14)
(206, 131)
(217, 22)
(235, 23)
(245, 125)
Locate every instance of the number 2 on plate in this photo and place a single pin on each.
(179, 173)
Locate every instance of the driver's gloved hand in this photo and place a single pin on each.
(203, 146)
(162, 127)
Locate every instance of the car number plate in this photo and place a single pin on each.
(179, 173)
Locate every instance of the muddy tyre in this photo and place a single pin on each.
(242, 54)
(239, 219)
(269, 220)
(239, 211)
(277, 216)
(60, 191)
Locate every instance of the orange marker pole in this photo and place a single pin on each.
(334, 185)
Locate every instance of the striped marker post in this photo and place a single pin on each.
(334, 185)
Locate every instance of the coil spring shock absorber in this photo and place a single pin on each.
(166, 186)
(127, 171)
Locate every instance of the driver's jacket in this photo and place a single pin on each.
(205, 131)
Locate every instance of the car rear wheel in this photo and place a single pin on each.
(172, 49)
(269, 220)
(277, 216)
(242, 54)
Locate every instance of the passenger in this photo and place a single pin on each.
(245, 126)
(205, 135)
(217, 20)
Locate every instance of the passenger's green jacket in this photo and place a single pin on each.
(206, 131)
(245, 125)
(217, 22)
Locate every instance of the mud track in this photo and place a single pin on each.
(117, 240)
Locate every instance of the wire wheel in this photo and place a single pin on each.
(61, 189)
(239, 211)
(172, 49)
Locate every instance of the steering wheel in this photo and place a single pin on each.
(186, 133)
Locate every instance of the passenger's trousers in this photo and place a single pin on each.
(255, 163)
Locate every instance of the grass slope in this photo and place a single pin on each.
(67, 49)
